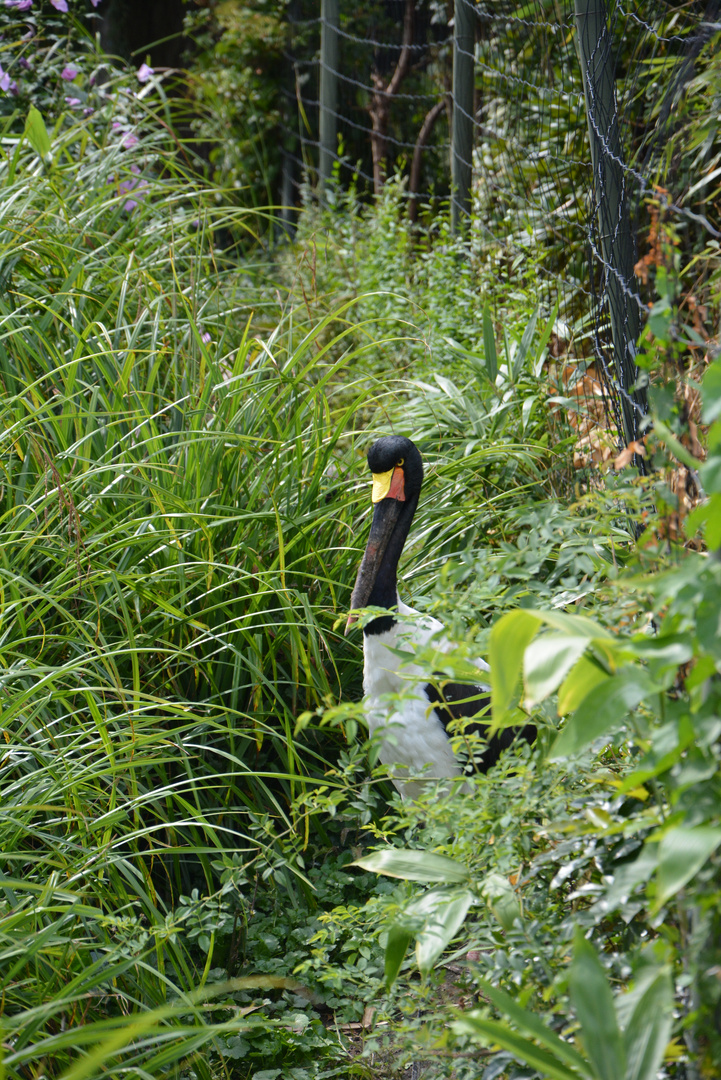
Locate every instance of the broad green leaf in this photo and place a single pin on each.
(646, 1015)
(582, 679)
(711, 393)
(501, 899)
(593, 1004)
(672, 650)
(547, 661)
(509, 638)
(414, 866)
(531, 1023)
(701, 513)
(37, 135)
(603, 710)
(713, 524)
(681, 854)
(399, 938)
(579, 625)
(475, 1025)
(445, 917)
(489, 344)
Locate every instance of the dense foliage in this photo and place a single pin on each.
(202, 873)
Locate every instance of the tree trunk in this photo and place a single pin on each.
(382, 98)
(423, 136)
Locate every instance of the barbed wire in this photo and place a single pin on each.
(532, 192)
(535, 24)
(421, 47)
(634, 17)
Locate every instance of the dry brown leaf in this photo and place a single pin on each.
(626, 456)
(368, 1014)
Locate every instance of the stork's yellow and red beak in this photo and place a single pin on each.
(389, 485)
(388, 496)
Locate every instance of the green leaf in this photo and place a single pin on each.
(501, 899)
(606, 708)
(545, 336)
(414, 866)
(489, 344)
(579, 625)
(711, 393)
(646, 1015)
(668, 745)
(531, 1023)
(592, 1001)
(681, 854)
(547, 661)
(509, 639)
(37, 135)
(522, 352)
(399, 938)
(445, 914)
(678, 450)
(625, 878)
(668, 651)
(582, 679)
(475, 1025)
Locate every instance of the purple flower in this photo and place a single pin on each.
(68, 73)
(5, 81)
(72, 101)
(130, 140)
(206, 338)
(23, 63)
(87, 111)
(20, 5)
(132, 184)
(95, 2)
(145, 73)
(60, 5)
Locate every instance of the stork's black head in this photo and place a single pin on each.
(395, 451)
(397, 470)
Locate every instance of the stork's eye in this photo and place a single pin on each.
(400, 462)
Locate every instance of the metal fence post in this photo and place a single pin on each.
(611, 194)
(329, 16)
(462, 124)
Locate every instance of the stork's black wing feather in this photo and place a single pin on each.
(455, 701)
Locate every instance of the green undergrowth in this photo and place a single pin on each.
(183, 499)
(185, 775)
(421, 289)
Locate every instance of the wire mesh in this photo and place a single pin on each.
(576, 109)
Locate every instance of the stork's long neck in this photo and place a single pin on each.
(385, 588)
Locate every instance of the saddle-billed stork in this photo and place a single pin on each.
(413, 728)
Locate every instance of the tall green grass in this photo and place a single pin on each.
(167, 583)
(182, 511)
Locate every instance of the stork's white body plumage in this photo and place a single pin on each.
(410, 730)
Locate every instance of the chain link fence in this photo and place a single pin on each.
(555, 132)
